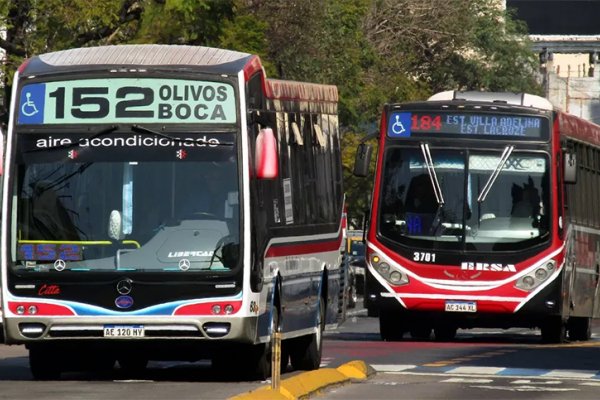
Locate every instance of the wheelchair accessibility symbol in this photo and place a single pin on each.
(28, 108)
(31, 105)
(399, 125)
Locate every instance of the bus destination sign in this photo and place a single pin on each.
(466, 124)
(127, 100)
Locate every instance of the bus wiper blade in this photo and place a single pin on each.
(101, 132)
(435, 183)
(143, 129)
(490, 182)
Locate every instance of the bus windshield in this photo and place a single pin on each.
(511, 215)
(120, 206)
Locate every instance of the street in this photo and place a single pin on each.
(479, 363)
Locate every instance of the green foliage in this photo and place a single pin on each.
(375, 51)
(193, 22)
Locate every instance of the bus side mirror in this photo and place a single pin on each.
(570, 168)
(266, 166)
(362, 160)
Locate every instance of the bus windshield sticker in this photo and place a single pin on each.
(407, 124)
(127, 100)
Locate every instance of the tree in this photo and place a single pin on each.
(38, 26)
(461, 44)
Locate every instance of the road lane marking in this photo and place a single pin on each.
(477, 370)
(391, 367)
(569, 373)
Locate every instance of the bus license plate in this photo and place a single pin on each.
(124, 331)
(461, 306)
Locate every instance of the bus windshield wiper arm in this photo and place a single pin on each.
(143, 129)
(435, 183)
(101, 132)
(490, 182)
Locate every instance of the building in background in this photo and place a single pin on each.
(566, 34)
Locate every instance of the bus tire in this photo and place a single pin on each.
(420, 332)
(305, 353)
(134, 365)
(554, 330)
(390, 326)
(580, 328)
(445, 333)
(43, 364)
(352, 297)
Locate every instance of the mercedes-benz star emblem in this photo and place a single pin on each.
(124, 286)
(59, 265)
(184, 264)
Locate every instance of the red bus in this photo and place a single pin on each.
(481, 217)
(169, 203)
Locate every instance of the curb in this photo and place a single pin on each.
(307, 383)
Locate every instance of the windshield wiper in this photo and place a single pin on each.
(435, 183)
(101, 132)
(490, 182)
(143, 129)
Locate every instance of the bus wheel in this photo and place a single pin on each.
(305, 353)
(134, 365)
(580, 328)
(43, 364)
(445, 333)
(390, 326)
(420, 332)
(352, 297)
(554, 330)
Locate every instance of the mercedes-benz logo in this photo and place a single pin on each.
(184, 264)
(124, 286)
(59, 265)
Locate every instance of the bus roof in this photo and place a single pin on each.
(209, 59)
(223, 61)
(508, 98)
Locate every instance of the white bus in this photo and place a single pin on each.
(168, 202)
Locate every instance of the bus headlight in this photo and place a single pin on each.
(384, 268)
(389, 273)
(536, 277)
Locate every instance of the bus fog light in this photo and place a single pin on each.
(32, 310)
(216, 309)
(20, 310)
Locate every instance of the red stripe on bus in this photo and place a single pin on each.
(41, 309)
(304, 248)
(207, 308)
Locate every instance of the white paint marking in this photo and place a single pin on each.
(528, 381)
(526, 388)
(571, 373)
(467, 380)
(391, 367)
(477, 370)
